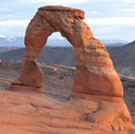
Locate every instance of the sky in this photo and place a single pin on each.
(108, 19)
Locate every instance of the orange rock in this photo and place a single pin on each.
(54, 70)
(95, 78)
(37, 114)
(95, 73)
(31, 77)
(31, 74)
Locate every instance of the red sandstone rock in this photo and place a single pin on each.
(95, 76)
(38, 114)
(31, 74)
(31, 78)
(95, 73)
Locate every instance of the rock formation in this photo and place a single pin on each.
(36, 114)
(95, 73)
(95, 80)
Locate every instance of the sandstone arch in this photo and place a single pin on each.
(95, 78)
(95, 73)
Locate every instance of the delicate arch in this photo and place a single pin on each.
(95, 73)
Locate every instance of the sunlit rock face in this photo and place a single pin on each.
(95, 73)
(96, 85)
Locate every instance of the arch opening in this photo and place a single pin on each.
(56, 40)
(57, 50)
(59, 67)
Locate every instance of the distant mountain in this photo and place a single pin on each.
(114, 42)
(13, 42)
(49, 55)
(123, 57)
(8, 48)
(19, 42)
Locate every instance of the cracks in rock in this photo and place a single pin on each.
(44, 15)
(35, 131)
(41, 106)
(85, 116)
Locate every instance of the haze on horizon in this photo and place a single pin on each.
(108, 19)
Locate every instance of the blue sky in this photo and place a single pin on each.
(108, 19)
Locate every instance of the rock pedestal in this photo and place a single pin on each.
(31, 78)
(95, 75)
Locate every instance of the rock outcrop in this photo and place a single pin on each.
(97, 86)
(38, 114)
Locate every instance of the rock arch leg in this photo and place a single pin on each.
(31, 76)
(95, 74)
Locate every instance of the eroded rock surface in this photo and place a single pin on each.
(38, 114)
(96, 80)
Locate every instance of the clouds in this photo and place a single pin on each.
(107, 18)
(2, 36)
(58, 1)
(3, 9)
(69, 2)
(129, 1)
(12, 28)
(113, 27)
(128, 11)
(14, 23)
(112, 20)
